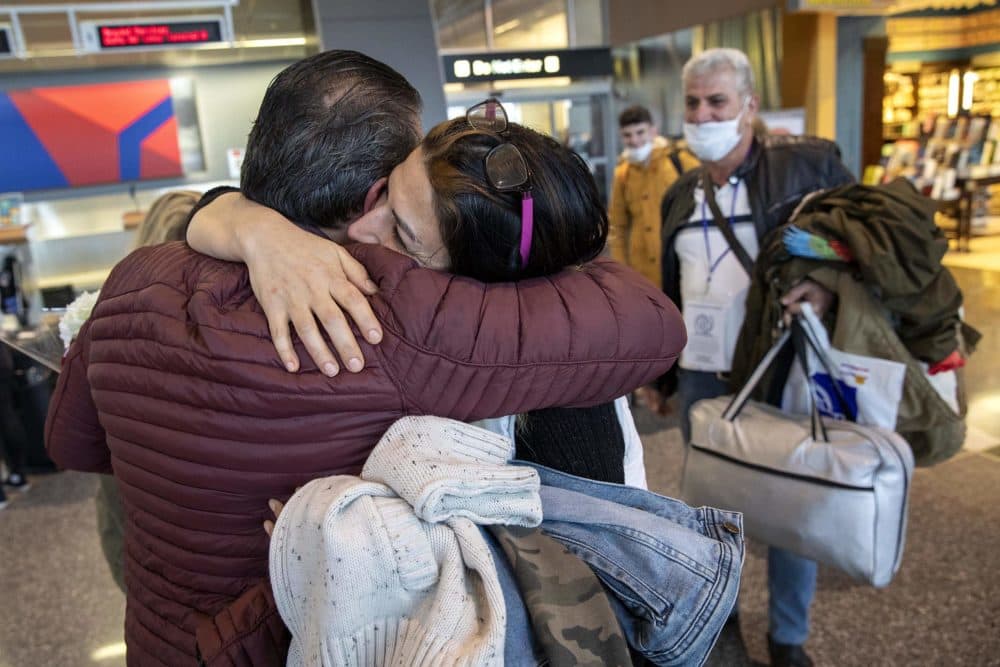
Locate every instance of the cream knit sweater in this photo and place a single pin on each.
(390, 568)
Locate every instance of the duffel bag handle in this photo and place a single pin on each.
(740, 399)
(802, 328)
(800, 338)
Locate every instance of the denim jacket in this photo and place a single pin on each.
(673, 570)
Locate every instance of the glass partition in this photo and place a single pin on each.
(587, 23)
(510, 25)
(529, 24)
(461, 24)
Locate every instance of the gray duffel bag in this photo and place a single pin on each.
(832, 491)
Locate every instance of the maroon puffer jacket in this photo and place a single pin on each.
(174, 384)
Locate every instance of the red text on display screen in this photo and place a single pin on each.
(159, 34)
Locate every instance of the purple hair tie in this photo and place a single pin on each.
(527, 226)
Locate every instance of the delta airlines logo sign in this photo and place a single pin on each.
(87, 135)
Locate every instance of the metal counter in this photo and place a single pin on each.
(41, 344)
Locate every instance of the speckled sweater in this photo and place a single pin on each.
(390, 568)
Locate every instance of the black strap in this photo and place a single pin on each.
(675, 159)
(720, 221)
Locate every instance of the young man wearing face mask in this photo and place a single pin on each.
(756, 181)
(648, 166)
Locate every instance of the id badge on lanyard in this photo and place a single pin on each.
(710, 318)
(707, 328)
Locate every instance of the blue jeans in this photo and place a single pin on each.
(791, 579)
(673, 570)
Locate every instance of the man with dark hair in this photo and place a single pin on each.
(317, 153)
(648, 166)
(173, 384)
(636, 115)
(325, 141)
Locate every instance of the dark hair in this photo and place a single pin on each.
(329, 126)
(481, 226)
(633, 115)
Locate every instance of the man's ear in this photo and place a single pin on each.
(374, 192)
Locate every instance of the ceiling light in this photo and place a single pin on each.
(506, 27)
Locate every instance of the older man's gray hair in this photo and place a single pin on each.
(712, 60)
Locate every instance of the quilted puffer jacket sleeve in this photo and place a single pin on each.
(585, 336)
(74, 436)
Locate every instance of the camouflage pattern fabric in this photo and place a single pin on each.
(568, 606)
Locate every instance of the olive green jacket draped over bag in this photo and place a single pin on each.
(895, 300)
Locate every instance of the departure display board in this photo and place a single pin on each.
(151, 34)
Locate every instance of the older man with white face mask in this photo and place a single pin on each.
(714, 219)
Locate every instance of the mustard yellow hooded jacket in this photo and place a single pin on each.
(638, 189)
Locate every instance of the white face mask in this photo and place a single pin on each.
(640, 154)
(712, 141)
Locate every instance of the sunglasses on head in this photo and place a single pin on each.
(505, 166)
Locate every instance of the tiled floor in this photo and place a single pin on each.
(61, 609)
(60, 606)
(981, 289)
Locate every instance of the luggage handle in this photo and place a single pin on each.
(800, 338)
(815, 419)
(732, 410)
(804, 329)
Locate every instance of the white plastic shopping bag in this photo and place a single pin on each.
(871, 388)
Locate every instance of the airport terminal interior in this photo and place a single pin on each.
(106, 106)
